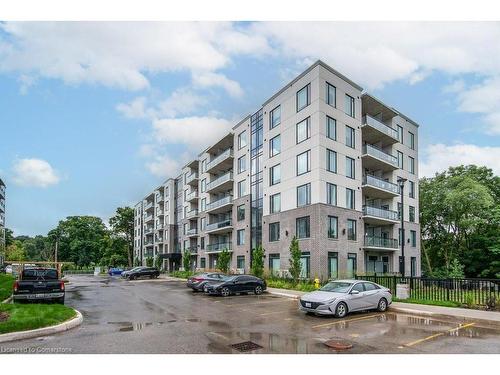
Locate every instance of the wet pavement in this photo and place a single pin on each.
(162, 316)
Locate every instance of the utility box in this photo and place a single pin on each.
(97, 271)
(402, 291)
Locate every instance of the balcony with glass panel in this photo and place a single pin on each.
(192, 232)
(374, 131)
(192, 214)
(149, 205)
(221, 183)
(192, 179)
(221, 162)
(219, 226)
(160, 198)
(160, 212)
(374, 187)
(148, 218)
(148, 230)
(192, 197)
(380, 243)
(218, 247)
(375, 158)
(379, 216)
(220, 205)
(192, 249)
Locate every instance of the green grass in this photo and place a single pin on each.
(6, 282)
(181, 274)
(429, 302)
(287, 284)
(23, 317)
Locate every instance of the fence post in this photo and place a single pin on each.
(448, 289)
(394, 284)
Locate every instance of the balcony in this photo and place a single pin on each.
(380, 243)
(377, 159)
(374, 131)
(379, 216)
(192, 179)
(192, 197)
(222, 183)
(160, 226)
(159, 239)
(375, 187)
(220, 205)
(223, 161)
(148, 242)
(192, 232)
(219, 227)
(160, 197)
(149, 205)
(192, 214)
(148, 230)
(193, 250)
(218, 247)
(160, 212)
(148, 218)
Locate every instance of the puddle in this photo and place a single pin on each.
(131, 326)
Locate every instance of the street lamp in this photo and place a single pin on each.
(401, 182)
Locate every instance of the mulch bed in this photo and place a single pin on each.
(3, 316)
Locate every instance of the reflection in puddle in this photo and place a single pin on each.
(131, 326)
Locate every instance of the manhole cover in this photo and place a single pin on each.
(3, 316)
(246, 346)
(338, 344)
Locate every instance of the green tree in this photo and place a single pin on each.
(122, 224)
(295, 264)
(114, 251)
(258, 261)
(149, 262)
(224, 260)
(15, 251)
(158, 262)
(186, 260)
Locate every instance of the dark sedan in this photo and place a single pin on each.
(236, 284)
(197, 282)
(143, 272)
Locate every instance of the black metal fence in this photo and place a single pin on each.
(465, 291)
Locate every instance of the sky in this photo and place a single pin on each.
(94, 115)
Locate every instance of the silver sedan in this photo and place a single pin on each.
(340, 297)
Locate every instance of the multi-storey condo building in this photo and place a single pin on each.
(321, 161)
(2, 221)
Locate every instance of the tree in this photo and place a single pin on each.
(186, 260)
(122, 224)
(158, 262)
(295, 264)
(224, 260)
(114, 253)
(15, 251)
(258, 261)
(149, 262)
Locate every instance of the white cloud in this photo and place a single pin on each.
(164, 166)
(136, 109)
(438, 157)
(34, 173)
(210, 79)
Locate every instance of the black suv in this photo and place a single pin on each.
(236, 284)
(143, 272)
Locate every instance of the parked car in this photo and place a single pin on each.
(143, 272)
(39, 284)
(125, 273)
(115, 271)
(341, 297)
(9, 269)
(235, 284)
(197, 282)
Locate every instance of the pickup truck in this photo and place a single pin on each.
(39, 284)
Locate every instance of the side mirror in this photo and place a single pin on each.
(354, 291)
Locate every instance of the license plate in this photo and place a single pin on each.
(39, 295)
(308, 304)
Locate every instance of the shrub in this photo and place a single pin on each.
(223, 260)
(295, 265)
(149, 262)
(186, 260)
(258, 261)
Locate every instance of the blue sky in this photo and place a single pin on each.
(94, 115)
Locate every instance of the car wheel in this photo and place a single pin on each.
(341, 310)
(225, 292)
(382, 305)
(151, 276)
(131, 278)
(258, 290)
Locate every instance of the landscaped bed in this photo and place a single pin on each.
(6, 282)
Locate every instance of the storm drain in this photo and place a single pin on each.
(246, 346)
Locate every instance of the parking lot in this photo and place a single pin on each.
(163, 316)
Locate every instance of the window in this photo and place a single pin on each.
(351, 229)
(303, 163)
(242, 188)
(242, 139)
(350, 137)
(203, 204)
(411, 137)
(275, 175)
(274, 232)
(303, 130)
(240, 262)
(411, 167)
(275, 203)
(413, 266)
(352, 264)
(240, 237)
(202, 243)
(400, 133)
(274, 263)
(411, 192)
(413, 236)
(303, 227)
(412, 214)
(370, 286)
(350, 199)
(349, 105)
(400, 159)
(204, 165)
(242, 164)
(240, 212)
(333, 265)
(275, 117)
(305, 262)
(303, 195)
(184, 228)
(275, 146)
(399, 210)
(331, 161)
(203, 185)
(203, 263)
(203, 221)
(303, 98)
(333, 226)
(331, 95)
(331, 128)
(350, 168)
(331, 194)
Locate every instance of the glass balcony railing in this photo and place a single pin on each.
(192, 213)
(192, 232)
(220, 180)
(219, 202)
(388, 243)
(380, 212)
(192, 195)
(192, 249)
(160, 198)
(379, 154)
(148, 218)
(193, 176)
(219, 158)
(381, 184)
(218, 225)
(380, 126)
(148, 205)
(213, 247)
(148, 230)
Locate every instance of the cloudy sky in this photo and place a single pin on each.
(93, 115)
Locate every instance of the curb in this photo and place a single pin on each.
(8, 300)
(294, 296)
(45, 331)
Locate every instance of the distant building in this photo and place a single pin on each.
(2, 221)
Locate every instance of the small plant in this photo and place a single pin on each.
(149, 262)
(258, 262)
(158, 262)
(491, 303)
(469, 301)
(186, 260)
(224, 260)
(295, 264)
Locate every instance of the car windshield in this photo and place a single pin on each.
(336, 286)
(228, 278)
(37, 274)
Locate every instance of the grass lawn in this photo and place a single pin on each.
(23, 317)
(6, 282)
(429, 302)
(285, 284)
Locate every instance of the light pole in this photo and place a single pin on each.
(401, 182)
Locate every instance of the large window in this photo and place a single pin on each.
(275, 175)
(352, 264)
(333, 265)
(303, 130)
(411, 137)
(350, 137)
(303, 227)
(275, 203)
(240, 212)
(242, 164)
(240, 237)
(203, 262)
(240, 262)
(331, 161)
(413, 237)
(333, 227)
(411, 189)
(303, 97)
(331, 194)
(274, 232)
(400, 159)
(350, 167)
(275, 117)
(411, 166)
(274, 263)
(203, 185)
(303, 163)
(242, 139)
(350, 199)
(331, 128)
(351, 229)
(303, 195)
(349, 105)
(399, 129)
(331, 95)
(305, 261)
(275, 146)
(203, 204)
(242, 188)
(413, 266)
(412, 214)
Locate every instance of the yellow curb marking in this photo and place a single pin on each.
(345, 321)
(438, 334)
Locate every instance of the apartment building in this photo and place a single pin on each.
(321, 160)
(2, 221)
